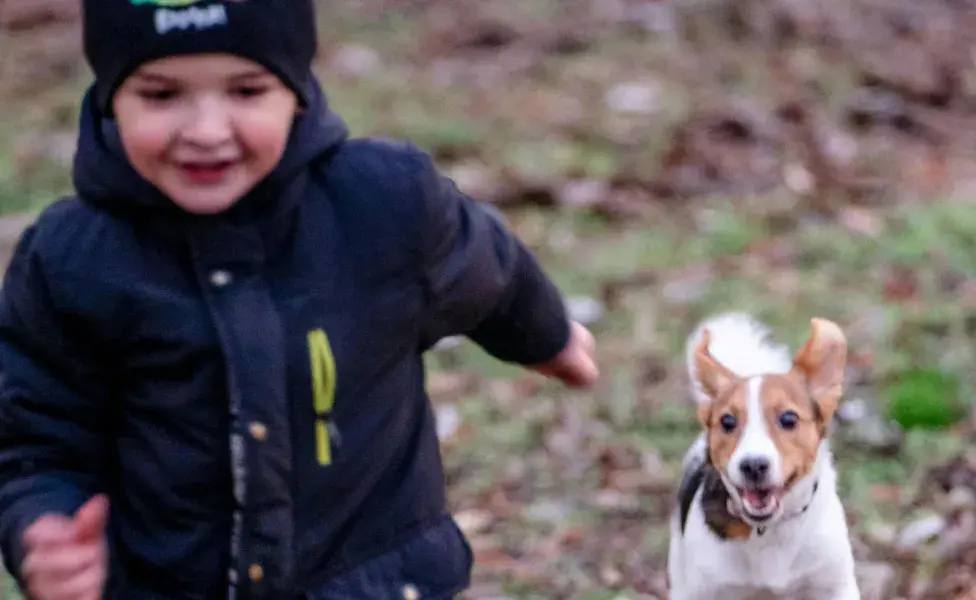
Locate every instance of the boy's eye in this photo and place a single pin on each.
(250, 91)
(159, 95)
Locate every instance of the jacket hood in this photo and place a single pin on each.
(103, 176)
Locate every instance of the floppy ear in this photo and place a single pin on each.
(820, 365)
(708, 378)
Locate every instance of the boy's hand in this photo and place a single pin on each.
(66, 558)
(575, 365)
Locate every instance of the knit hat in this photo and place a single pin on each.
(120, 35)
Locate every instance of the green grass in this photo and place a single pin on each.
(528, 444)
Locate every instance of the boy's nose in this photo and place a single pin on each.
(208, 124)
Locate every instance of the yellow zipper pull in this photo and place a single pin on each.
(323, 394)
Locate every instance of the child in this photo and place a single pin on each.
(211, 381)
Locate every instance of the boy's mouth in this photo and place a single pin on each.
(206, 171)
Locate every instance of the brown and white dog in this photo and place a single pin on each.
(758, 514)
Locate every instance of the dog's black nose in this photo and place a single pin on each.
(754, 468)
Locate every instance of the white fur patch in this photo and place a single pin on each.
(739, 343)
(756, 440)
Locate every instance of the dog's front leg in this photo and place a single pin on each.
(846, 590)
(844, 587)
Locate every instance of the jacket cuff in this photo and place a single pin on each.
(20, 516)
(531, 326)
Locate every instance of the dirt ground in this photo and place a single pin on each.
(666, 160)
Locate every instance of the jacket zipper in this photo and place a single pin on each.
(323, 395)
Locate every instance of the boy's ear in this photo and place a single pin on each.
(710, 379)
(820, 365)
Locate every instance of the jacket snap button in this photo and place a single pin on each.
(259, 431)
(220, 278)
(256, 573)
(410, 592)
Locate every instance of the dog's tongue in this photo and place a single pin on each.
(758, 499)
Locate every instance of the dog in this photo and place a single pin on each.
(758, 516)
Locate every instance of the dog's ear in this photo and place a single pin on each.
(709, 378)
(820, 365)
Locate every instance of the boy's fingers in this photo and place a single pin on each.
(49, 530)
(584, 373)
(86, 584)
(90, 520)
(591, 372)
(578, 370)
(586, 340)
(575, 366)
(588, 368)
(62, 562)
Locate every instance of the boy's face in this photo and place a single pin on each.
(204, 128)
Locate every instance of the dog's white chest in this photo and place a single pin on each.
(804, 559)
(771, 565)
(767, 566)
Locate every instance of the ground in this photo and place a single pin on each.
(665, 160)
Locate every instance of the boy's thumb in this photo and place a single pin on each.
(91, 518)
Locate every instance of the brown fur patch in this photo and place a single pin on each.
(714, 378)
(729, 394)
(820, 365)
(738, 530)
(734, 401)
(797, 447)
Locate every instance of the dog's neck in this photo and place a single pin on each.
(721, 514)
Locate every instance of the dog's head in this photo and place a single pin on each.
(764, 433)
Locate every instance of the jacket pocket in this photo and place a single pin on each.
(433, 565)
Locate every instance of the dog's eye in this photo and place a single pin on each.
(788, 420)
(728, 423)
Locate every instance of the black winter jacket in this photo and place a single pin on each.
(248, 388)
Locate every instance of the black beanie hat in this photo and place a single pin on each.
(120, 35)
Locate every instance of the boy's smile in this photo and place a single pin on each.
(204, 128)
(207, 172)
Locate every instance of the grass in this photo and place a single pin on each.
(558, 468)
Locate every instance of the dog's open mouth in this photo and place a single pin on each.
(759, 504)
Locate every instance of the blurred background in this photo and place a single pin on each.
(666, 160)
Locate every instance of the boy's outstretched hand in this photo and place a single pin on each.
(66, 557)
(575, 365)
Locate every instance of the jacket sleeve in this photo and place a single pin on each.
(51, 436)
(482, 281)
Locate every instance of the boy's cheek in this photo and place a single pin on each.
(145, 143)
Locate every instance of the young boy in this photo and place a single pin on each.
(211, 381)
